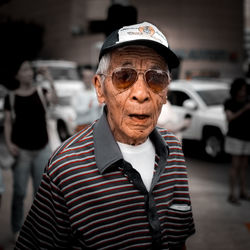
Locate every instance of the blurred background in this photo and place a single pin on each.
(212, 40)
(211, 37)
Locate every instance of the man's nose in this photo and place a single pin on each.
(140, 91)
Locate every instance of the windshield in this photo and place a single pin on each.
(63, 73)
(214, 97)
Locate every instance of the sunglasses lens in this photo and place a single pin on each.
(124, 78)
(157, 80)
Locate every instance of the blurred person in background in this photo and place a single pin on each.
(120, 183)
(237, 142)
(85, 102)
(26, 135)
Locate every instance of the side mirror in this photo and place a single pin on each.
(190, 104)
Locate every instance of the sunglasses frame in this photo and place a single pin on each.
(138, 72)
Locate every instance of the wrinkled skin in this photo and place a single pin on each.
(132, 113)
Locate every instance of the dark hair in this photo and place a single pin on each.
(87, 66)
(80, 68)
(20, 41)
(8, 72)
(236, 85)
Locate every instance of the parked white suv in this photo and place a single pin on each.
(203, 100)
(67, 84)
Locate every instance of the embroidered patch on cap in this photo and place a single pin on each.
(145, 34)
(142, 31)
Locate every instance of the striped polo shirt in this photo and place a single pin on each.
(90, 198)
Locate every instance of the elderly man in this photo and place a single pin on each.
(120, 183)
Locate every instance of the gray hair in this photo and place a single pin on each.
(104, 64)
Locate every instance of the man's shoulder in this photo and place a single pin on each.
(168, 136)
(78, 149)
(175, 153)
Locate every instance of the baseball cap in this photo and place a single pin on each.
(141, 34)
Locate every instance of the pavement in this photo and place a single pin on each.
(219, 224)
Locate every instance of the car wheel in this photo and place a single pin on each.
(213, 145)
(62, 131)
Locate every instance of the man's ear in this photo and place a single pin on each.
(165, 97)
(99, 89)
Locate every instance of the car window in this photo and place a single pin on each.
(177, 97)
(64, 73)
(214, 97)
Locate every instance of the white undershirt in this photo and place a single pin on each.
(142, 158)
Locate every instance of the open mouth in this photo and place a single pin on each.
(140, 117)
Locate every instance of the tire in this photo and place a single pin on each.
(213, 144)
(62, 130)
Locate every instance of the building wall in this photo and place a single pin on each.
(59, 18)
(208, 36)
(247, 37)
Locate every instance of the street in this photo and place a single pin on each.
(219, 225)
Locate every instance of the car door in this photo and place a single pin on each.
(177, 98)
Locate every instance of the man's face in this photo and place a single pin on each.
(132, 113)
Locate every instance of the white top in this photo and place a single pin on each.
(142, 158)
(86, 106)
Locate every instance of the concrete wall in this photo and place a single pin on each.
(247, 36)
(207, 34)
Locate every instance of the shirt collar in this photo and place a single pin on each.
(107, 151)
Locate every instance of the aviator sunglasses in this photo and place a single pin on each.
(123, 78)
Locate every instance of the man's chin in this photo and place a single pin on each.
(138, 135)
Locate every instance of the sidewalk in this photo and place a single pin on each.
(6, 242)
(219, 224)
